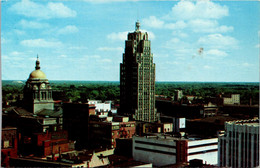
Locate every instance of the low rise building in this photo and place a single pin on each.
(9, 145)
(239, 144)
(232, 99)
(162, 150)
(210, 109)
(178, 95)
(104, 133)
(177, 124)
(51, 143)
(101, 107)
(73, 159)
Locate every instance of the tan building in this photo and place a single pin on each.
(37, 91)
(233, 99)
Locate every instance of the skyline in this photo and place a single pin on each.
(204, 41)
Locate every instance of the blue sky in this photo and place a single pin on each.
(84, 39)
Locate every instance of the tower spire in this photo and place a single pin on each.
(37, 63)
(137, 26)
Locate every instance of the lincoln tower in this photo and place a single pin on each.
(137, 78)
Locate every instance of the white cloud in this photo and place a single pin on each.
(118, 36)
(40, 11)
(122, 36)
(174, 40)
(152, 21)
(41, 43)
(95, 56)
(106, 60)
(180, 49)
(246, 64)
(177, 25)
(179, 34)
(19, 32)
(187, 10)
(215, 54)
(218, 41)
(120, 49)
(78, 48)
(62, 56)
(107, 1)
(3, 40)
(173, 63)
(208, 26)
(207, 67)
(32, 24)
(14, 56)
(68, 30)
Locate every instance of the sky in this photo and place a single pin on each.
(201, 41)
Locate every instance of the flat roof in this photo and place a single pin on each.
(250, 122)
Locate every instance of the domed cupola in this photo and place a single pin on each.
(37, 91)
(37, 73)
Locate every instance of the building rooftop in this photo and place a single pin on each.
(252, 122)
(168, 137)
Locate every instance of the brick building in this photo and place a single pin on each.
(104, 133)
(50, 143)
(38, 119)
(8, 145)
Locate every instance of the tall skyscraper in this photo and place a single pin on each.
(137, 78)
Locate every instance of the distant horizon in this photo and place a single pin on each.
(194, 41)
(155, 81)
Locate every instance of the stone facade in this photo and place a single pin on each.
(37, 91)
(239, 145)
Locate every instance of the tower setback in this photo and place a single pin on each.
(137, 78)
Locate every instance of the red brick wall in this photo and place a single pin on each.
(55, 149)
(182, 151)
(6, 153)
(51, 142)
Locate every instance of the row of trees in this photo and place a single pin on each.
(83, 90)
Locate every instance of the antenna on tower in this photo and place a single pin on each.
(137, 13)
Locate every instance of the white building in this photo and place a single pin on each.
(101, 107)
(239, 145)
(162, 150)
(233, 99)
(203, 149)
(178, 94)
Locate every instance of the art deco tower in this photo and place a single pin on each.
(137, 78)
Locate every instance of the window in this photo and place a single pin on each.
(6, 144)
